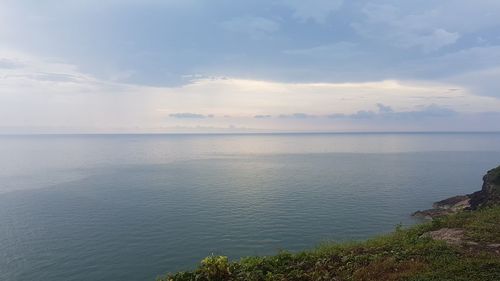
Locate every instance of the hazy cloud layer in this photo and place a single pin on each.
(299, 115)
(190, 115)
(157, 63)
(262, 116)
(429, 111)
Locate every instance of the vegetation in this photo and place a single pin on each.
(495, 175)
(405, 254)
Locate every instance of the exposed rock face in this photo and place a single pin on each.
(445, 207)
(456, 202)
(457, 237)
(454, 236)
(488, 195)
(431, 213)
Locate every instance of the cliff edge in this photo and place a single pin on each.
(489, 195)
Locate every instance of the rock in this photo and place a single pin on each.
(488, 195)
(445, 207)
(454, 236)
(494, 248)
(455, 202)
(490, 191)
(431, 213)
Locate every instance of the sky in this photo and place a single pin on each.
(110, 66)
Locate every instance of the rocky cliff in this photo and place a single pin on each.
(488, 195)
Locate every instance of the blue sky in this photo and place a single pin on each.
(284, 65)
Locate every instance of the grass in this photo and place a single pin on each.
(401, 255)
(481, 226)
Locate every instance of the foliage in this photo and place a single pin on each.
(495, 175)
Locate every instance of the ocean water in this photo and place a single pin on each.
(132, 207)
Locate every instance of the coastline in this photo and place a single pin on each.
(488, 195)
(460, 241)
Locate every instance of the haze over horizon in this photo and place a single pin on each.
(249, 66)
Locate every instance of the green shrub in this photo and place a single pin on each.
(214, 268)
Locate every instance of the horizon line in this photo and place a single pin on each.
(249, 133)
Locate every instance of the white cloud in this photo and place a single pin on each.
(317, 10)
(340, 50)
(390, 24)
(484, 82)
(437, 39)
(255, 27)
(428, 25)
(473, 68)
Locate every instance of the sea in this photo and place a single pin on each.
(133, 207)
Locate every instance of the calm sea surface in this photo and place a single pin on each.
(131, 207)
